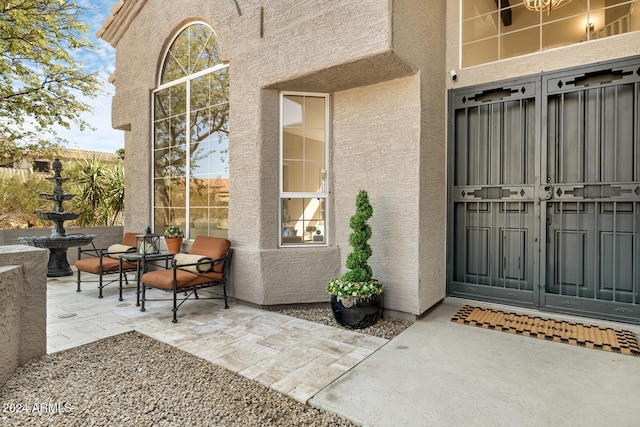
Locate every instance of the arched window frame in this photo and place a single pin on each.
(185, 220)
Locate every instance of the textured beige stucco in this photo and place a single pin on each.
(105, 236)
(11, 279)
(23, 298)
(382, 62)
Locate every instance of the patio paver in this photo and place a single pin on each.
(258, 344)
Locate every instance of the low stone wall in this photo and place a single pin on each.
(23, 299)
(105, 236)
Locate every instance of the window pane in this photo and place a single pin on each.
(303, 221)
(480, 28)
(314, 116)
(480, 52)
(564, 32)
(314, 145)
(162, 134)
(292, 143)
(292, 110)
(520, 43)
(471, 8)
(163, 218)
(194, 49)
(292, 176)
(314, 177)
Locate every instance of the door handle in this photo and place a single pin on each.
(546, 192)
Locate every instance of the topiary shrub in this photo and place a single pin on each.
(357, 281)
(356, 298)
(359, 269)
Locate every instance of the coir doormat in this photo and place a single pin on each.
(616, 340)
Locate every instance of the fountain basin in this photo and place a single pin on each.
(57, 216)
(58, 265)
(58, 242)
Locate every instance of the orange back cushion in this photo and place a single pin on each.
(212, 247)
(129, 239)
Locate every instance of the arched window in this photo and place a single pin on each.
(191, 136)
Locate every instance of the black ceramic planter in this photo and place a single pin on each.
(361, 313)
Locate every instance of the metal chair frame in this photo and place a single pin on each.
(193, 290)
(102, 253)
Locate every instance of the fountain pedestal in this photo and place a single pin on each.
(59, 241)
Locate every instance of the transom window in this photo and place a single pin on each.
(492, 33)
(191, 137)
(303, 168)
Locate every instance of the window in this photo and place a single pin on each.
(303, 168)
(492, 34)
(41, 166)
(191, 137)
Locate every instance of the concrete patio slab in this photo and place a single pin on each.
(439, 373)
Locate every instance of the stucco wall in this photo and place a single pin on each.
(105, 236)
(23, 298)
(377, 148)
(10, 279)
(352, 50)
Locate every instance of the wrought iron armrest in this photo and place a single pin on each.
(93, 252)
(212, 262)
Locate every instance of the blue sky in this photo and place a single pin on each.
(102, 61)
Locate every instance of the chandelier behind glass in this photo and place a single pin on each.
(544, 5)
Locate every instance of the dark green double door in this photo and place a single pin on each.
(544, 192)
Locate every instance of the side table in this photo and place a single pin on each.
(143, 261)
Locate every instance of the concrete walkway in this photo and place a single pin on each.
(436, 373)
(439, 373)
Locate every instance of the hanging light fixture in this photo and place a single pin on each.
(544, 5)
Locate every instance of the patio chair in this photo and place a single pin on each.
(206, 265)
(106, 261)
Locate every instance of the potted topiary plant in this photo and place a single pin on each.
(356, 298)
(173, 236)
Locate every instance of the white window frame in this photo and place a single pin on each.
(187, 81)
(304, 195)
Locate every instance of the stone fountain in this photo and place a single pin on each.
(59, 241)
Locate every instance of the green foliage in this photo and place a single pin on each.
(359, 270)
(40, 82)
(342, 289)
(19, 199)
(99, 190)
(173, 232)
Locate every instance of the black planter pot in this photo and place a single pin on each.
(360, 313)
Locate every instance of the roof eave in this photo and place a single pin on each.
(122, 14)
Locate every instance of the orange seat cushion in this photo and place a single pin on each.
(92, 265)
(163, 279)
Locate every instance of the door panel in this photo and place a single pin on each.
(592, 168)
(493, 193)
(545, 191)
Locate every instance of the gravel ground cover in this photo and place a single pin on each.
(385, 327)
(132, 379)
